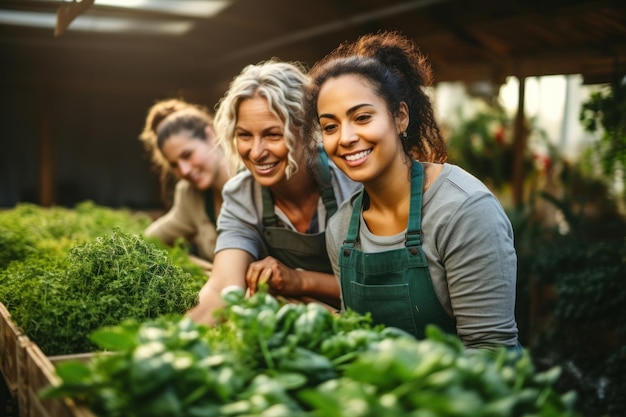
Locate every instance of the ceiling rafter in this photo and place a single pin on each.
(465, 40)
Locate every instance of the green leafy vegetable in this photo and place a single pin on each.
(270, 359)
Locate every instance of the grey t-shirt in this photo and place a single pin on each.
(240, 223)
(468, 242)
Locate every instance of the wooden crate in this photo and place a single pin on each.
(8, 401)
(37, 373)
(11, 341)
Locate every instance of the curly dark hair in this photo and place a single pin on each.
(399, 73)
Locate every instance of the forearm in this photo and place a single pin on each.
(323, 287)
(209, 300)
(229, 269)
(168, 228)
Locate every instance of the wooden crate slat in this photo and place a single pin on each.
(9, 344)
(39, 373)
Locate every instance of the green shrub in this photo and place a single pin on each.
(58, 301)
(28, 229)
(64, 272)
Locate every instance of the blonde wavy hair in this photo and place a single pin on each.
(281, 84)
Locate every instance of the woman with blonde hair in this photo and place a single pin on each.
(272, 223)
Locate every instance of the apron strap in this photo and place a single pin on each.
(209, 206)
(414, 229)
(326, 184)
(269, 217)
(353, 230)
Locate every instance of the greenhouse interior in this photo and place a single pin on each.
(100, 304)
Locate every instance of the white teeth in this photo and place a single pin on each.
(356, 156)
(264, 167)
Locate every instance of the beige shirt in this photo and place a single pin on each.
(187, 219)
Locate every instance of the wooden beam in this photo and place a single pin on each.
(322, 29)
(519, 147)
(67, 12)
(46, 158)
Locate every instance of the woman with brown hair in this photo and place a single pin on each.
(424, 243)
(182, 142)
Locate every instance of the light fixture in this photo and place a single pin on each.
(130, 25)
(191, 8)
(33, 19)
(172, 22)
(87, 23)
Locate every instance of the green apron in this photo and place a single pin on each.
(295, 249)
(209, 206)
(394, 285)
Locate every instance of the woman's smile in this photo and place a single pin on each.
(264, 168)
(260, 141)
(357, 156)
(358, 132)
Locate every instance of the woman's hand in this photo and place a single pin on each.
(280, 279)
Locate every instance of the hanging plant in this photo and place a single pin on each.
(605, 112)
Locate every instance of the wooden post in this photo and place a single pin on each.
(46, 158)
(519, 147)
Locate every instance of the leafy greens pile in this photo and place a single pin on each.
(31, 230)
(67, 272)
(270, 359)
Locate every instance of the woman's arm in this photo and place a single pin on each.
(177, 222)
(229, 268)
(480, 264)
(289, 282)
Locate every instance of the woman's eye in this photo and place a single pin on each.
(274, 136)
(362, 117)
(328, 129)
(243, 136)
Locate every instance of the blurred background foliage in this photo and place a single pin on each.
(570, 239)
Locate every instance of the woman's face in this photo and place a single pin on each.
(359, 133)
(194, 159)
(260, 141)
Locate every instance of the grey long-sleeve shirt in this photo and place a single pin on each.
(240, 224)
(468, 242)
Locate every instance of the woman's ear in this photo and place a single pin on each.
(210, 134)
(402, 117)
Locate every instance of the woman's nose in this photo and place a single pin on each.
(184, 168)
(348, 135)
(257, 149)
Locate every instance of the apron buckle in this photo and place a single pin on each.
(409, 235)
